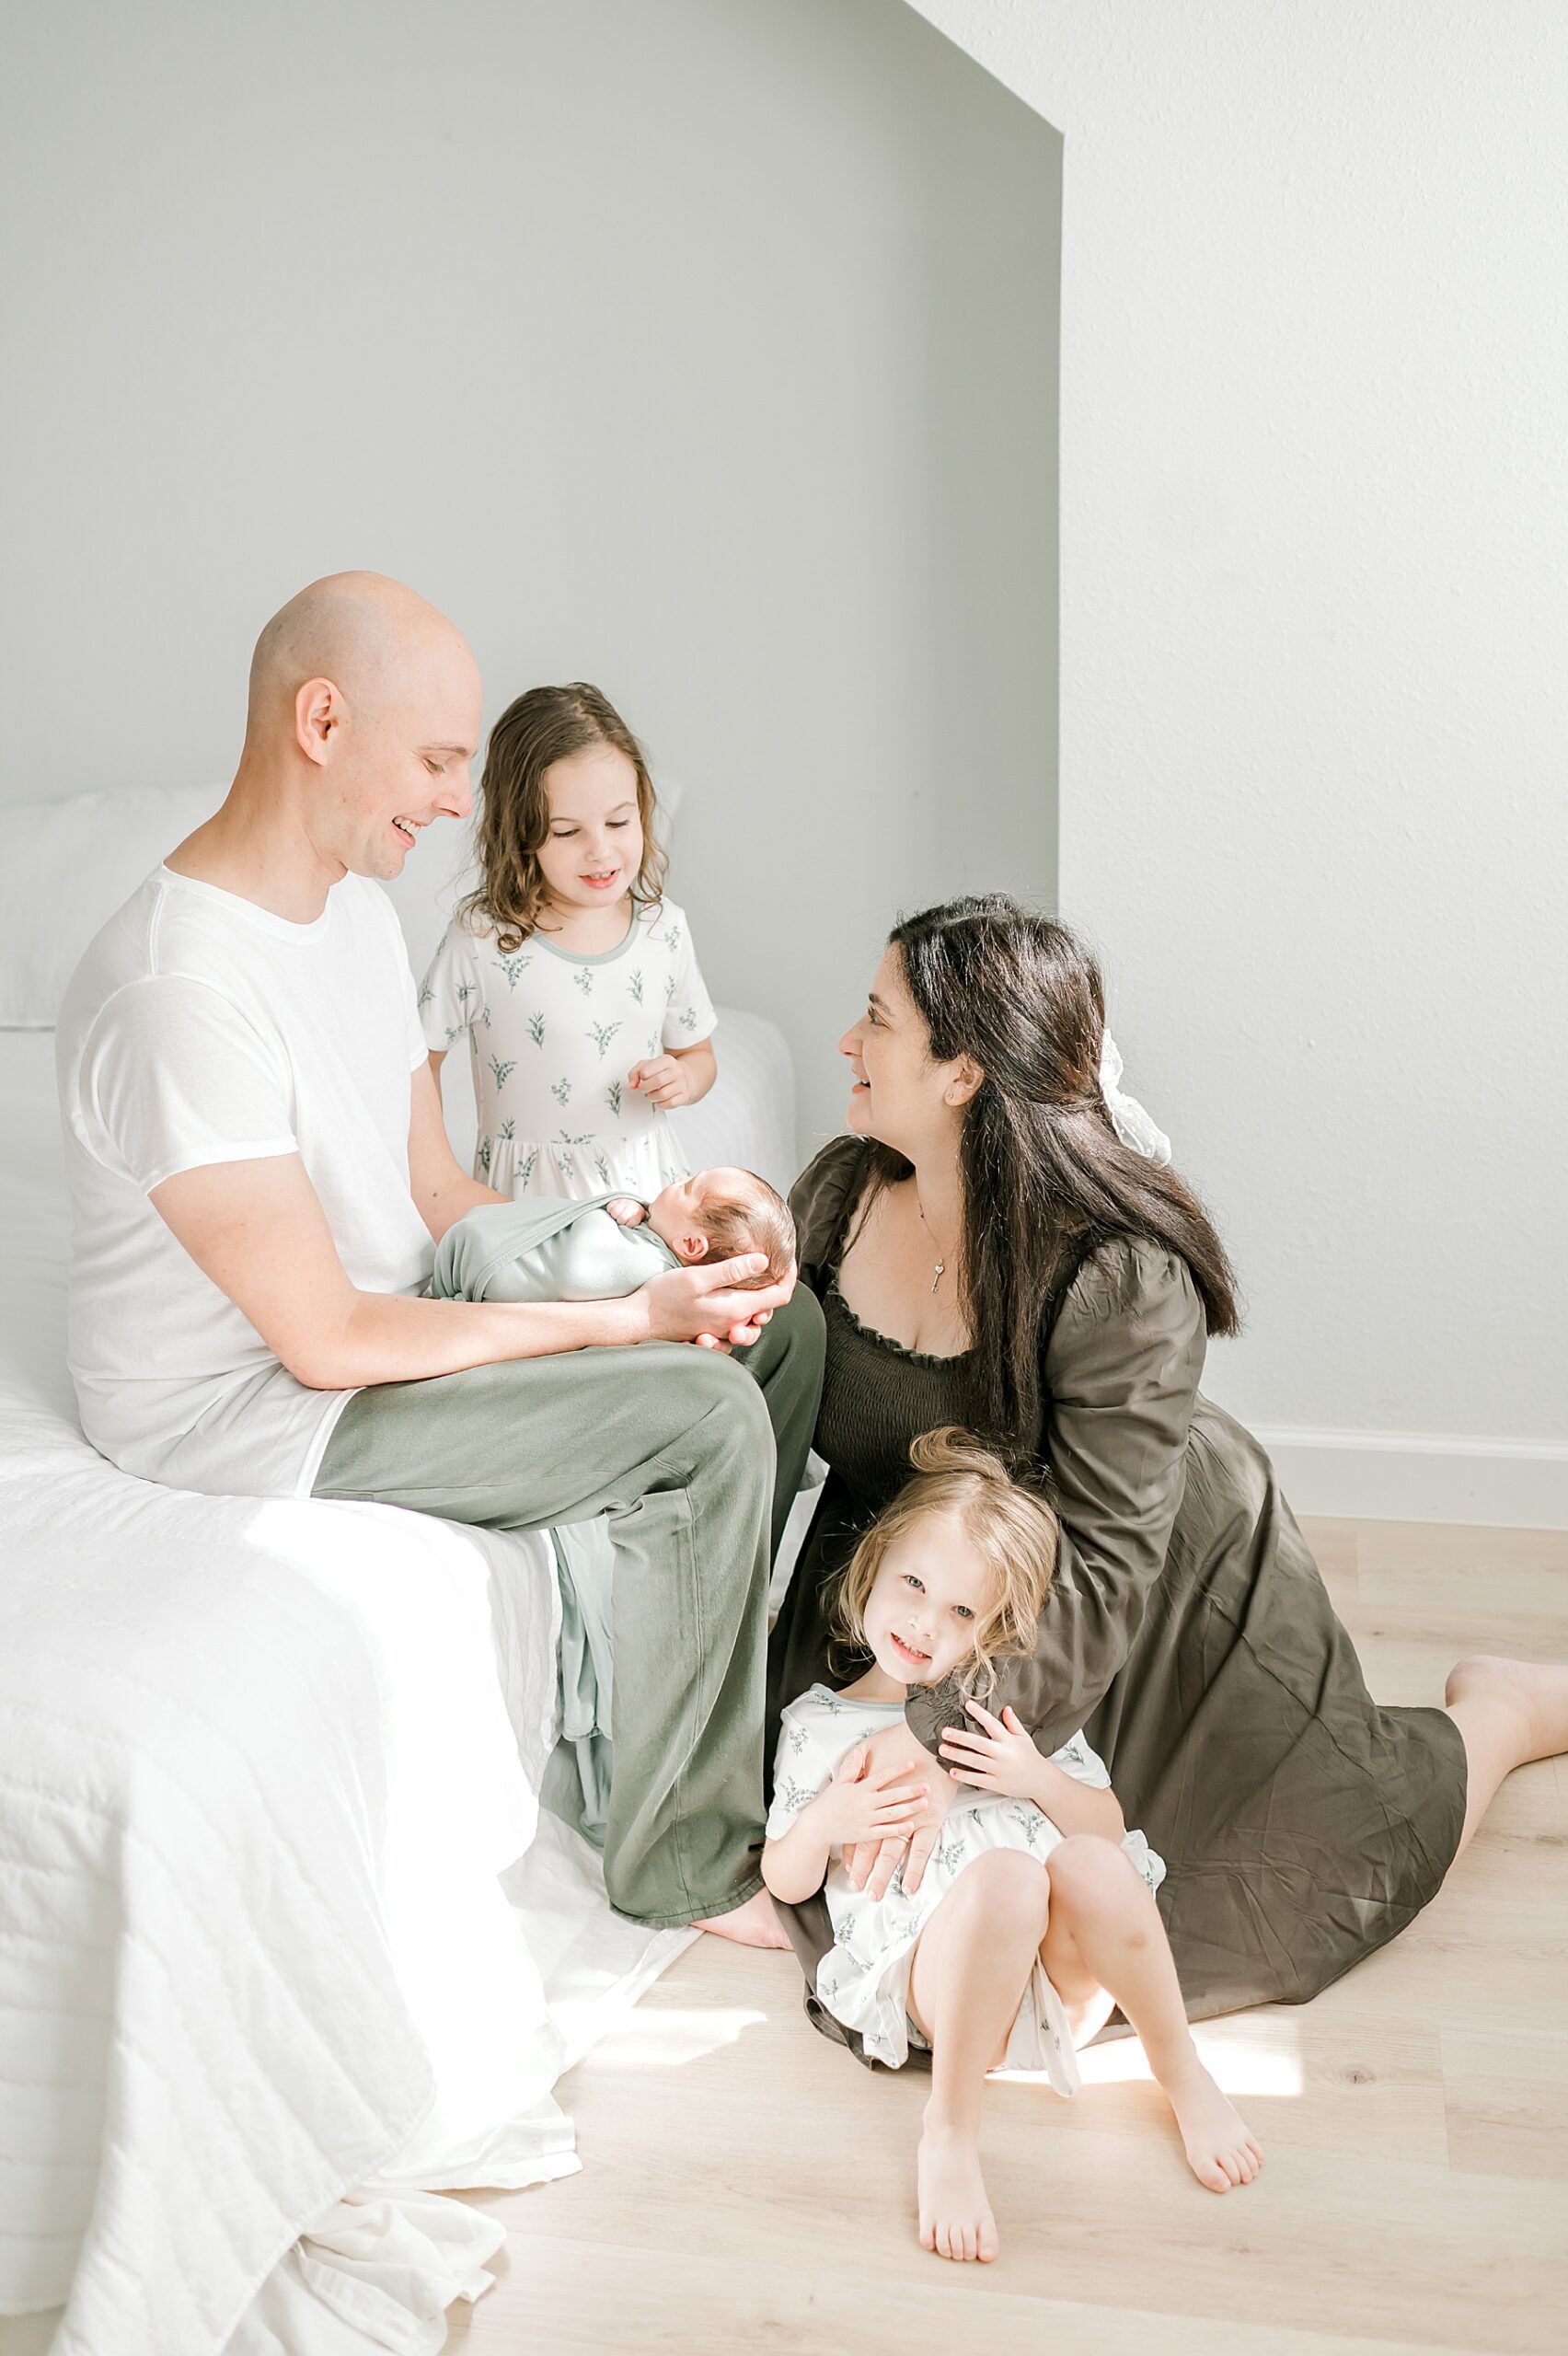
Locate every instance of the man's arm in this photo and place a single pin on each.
(441, 1188)
(258, 1229)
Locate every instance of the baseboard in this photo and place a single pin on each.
(1421, 1476)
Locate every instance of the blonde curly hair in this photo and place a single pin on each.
(1012, 1528)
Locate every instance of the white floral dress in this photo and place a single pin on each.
(864, 1978)
(553, 1035)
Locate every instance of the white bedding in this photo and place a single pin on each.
(258, 1779)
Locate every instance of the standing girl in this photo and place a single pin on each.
(1035, 1912)
(572, 976)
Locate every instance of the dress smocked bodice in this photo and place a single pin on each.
(875, 1394)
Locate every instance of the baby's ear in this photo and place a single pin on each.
(692, 1248)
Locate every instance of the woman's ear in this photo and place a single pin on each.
(966, 1079)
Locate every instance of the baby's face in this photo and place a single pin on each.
(931, 1590)
(678, 1215)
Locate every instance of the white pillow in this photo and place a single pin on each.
(68, 866)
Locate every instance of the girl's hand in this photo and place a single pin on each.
(853, 1807)
(663, 1080)
(1000, 1759)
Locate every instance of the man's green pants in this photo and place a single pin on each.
(677, 1446)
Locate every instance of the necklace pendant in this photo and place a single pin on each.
(940, 1273)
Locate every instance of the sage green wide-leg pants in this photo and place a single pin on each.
(677, 1446)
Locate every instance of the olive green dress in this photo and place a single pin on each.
(1187, 1627)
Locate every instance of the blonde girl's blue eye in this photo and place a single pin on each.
(962, 1611)
(910, 1580)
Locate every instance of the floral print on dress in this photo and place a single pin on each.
(863, 1980)
(551, 1034)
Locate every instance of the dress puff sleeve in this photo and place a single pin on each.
(822, 1199)
(452, 994)
(1122, 1363)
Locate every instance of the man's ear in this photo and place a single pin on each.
(319, 713)
(693, 1247)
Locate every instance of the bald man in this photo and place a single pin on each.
(259, 1174)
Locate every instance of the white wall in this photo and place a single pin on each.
(705, 350)
(1314, 654)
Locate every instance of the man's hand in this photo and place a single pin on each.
(702, 1304)
(895, 1757)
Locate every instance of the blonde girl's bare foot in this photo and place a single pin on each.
(1221, 2149)
(755, 1924)
(955, 2216)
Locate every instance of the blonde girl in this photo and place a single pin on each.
(568, 970)
(1035, 1914)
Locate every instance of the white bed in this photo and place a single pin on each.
(263, 1767)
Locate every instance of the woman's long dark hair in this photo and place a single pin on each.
(1045, 1177)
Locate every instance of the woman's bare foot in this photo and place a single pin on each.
(955, 2216)
(755, 1924)
(1222, 2151)
(1536, 1691)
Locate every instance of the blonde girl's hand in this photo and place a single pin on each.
(997, 1755)
(853, 1807)
(663, 1080)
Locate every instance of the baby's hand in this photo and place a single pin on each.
(852, 1808)
(627, 1213)
(663, 1080)
(1002, 1758)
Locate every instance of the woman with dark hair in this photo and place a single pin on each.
(988, 1253)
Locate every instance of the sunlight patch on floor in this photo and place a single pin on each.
(667, 2040)
(1239, 2063)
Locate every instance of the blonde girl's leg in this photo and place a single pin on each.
(1105, 1938)
(1508, 1713)
(966, 1981)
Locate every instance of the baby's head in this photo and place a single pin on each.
(718, 1213)
(952, 1576)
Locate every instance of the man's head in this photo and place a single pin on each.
(370, 699)
(717, 1213)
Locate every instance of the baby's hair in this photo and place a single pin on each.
(760, 1220)
(539, 728)
(1010, 1527)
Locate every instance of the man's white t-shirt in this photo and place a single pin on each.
(200, 1028)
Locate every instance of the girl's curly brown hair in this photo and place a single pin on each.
(546, 725)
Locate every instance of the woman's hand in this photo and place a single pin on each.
(1001, 1758)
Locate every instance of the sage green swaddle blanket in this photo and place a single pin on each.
(563, 1251)
(546, 1251)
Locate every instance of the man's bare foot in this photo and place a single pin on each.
(1221, 2148)
(755, 1924)
(955, 2216)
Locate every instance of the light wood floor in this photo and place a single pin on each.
(746, 2186)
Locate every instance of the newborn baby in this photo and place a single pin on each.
(611, 1244)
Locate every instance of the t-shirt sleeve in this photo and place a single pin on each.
(452, 996)
(1084, 1765)
(800, 1768)
(689, 1016)
(174, 1077)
